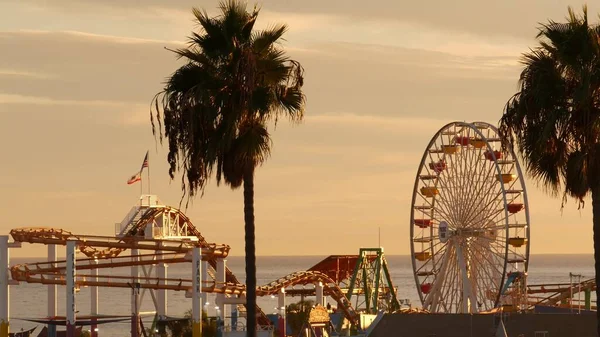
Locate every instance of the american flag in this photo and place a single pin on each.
(145, 163)
(138, 175)
(134, 178)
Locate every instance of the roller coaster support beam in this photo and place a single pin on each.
(70, 292)
(588, 299)
(197, 293)
(52, 293)
(281, 305)
(161, 272)
(221, 306)
(52, 299)
(204, 296)
(319, 293)
(4, 290)
(135, 291)
(94, 300)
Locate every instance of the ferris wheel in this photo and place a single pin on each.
(469, 221)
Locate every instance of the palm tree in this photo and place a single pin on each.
(554, 119)
(216, 109)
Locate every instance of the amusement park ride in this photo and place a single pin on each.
(470, 239)
(469, 222)
(156, 235)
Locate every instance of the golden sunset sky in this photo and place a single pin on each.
(77, 78)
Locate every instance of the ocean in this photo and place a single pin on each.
(30, 300)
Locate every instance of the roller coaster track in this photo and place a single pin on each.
(89, 244)
(106, 248)
(229, 276)
(558, 292)
(35, 273)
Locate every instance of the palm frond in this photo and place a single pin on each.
(215, 108)
(554, 119)
(264, 40)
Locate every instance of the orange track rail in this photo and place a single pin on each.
(558, 292)
(88, 244)
(54, 272)
(23, 273)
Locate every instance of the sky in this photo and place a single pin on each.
(381, 77)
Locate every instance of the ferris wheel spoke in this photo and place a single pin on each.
(449, 185)
(483, 280)
(488, 191)
(487, 258)
(455, 188)
(482, 200)
(473, 172)
(446, 194)
(472, 164)
(490, 204)
(432, 212)
(489, 254)
(454, 284)
(446, 297)
(443, 209)
(444, 294)
(432, 298)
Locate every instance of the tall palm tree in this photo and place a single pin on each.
(216, 109)
(554, 119)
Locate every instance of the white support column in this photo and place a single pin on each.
(161, 272)
(52, 309)
(4, 288)
(71, 272)
(466, 295)
(135, 310)
(282, 313)
(222, 311)
(94, 299)
(319, 293)
(197, 292)
(204, 280)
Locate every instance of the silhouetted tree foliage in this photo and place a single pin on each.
(215, 109)
(554, 118)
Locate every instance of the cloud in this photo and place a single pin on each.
(20, 73)
(411, 124)
(511, 18)
(36, 100)
(408, 27)
(92, 69)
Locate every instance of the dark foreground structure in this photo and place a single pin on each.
(465, 325)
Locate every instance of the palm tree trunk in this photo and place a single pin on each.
(251, 253)
(596, 226)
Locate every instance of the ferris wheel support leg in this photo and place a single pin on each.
(466, 282)
(51, 292)
(71, 272)
(474, 301)
(4, 288)
(197, 293)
